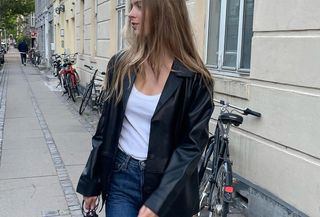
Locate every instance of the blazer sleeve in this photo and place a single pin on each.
(186, 156)
(90, 182)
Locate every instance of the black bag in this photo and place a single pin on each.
(90, 213)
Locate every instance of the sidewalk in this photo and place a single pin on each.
(44, 145)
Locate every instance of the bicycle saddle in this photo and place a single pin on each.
(231, 118)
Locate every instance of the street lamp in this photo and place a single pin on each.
(5, 39)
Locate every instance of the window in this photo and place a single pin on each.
(230, 34)
(33, 20)
(81, 28)
(93, 28)
(121, 7)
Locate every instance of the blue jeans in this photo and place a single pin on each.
(23, 58)
(125, 196)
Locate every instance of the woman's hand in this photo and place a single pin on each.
(90, 202)
(146, 212)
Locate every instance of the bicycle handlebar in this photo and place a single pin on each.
(89, 67)
(94, 69)
(246, 111)
(56, 56)
(250, 112)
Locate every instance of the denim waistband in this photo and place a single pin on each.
(121, 155)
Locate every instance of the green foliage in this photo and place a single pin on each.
(9, 23)
(10, 9)
(16, 7)
(24, 38)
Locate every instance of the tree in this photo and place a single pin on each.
(10, 9)
(16, 7)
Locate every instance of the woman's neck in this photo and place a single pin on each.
(165, 62)
(148, 81)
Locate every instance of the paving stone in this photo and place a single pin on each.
(50, 213)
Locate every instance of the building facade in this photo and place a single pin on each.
(31, 28)
(97, 33)
(27, 26)
(263, 55)
(64, 26)
(44, 26)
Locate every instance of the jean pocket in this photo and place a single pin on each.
(118, 166)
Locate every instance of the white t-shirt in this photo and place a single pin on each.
(134, 137)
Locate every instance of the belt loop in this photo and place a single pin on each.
(128, 157)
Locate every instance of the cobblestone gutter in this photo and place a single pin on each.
(3, 91)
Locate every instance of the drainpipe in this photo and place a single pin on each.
(46, 33)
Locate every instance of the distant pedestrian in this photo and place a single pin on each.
(154, 125)
(23, 49)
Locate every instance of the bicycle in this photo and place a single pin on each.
(56, 65)
(69, 77)
(34, 56)
(91, 93)
(215, 166)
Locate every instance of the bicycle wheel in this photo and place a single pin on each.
(100, 101)
(70, 88)
(38, 60)
(76, 82)
(85, 99)
(204, 192)
(206, 176)
(205, 158)
(219, 207)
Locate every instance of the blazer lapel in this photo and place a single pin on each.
(174, 81)
(176, 76)
(127, 87)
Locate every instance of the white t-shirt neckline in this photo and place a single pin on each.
(142, 94)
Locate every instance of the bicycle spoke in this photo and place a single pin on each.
(219, 207)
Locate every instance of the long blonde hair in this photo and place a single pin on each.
(169, 29)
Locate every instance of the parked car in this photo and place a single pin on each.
(2, 52)
(4, 47)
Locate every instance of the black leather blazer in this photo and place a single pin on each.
(178, 135)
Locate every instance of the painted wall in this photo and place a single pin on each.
(96, 40)
(280, 152)
(64, 27)
(285, 87)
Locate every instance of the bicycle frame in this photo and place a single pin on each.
(91, 93)
(93, 83)
(71, 71)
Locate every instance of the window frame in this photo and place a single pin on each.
(221, 43)
(121, 12)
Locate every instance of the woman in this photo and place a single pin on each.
(154, 126)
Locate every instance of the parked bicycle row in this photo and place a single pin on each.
(34, 56)
(69, 80)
